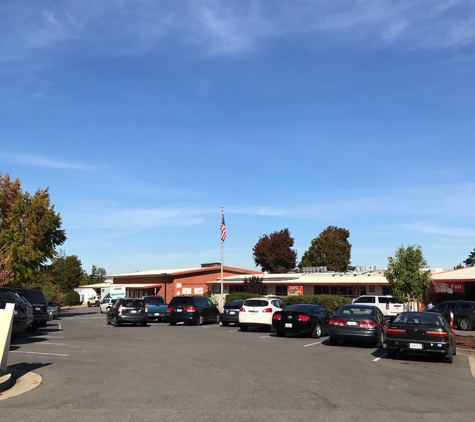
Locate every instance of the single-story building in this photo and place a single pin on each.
(453, 284)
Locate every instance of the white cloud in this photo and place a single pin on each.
(440, 230)
(38, 161)
(117, 27)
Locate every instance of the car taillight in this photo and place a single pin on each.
(242, 310)
(303, 318)
(337, 322)
(437, 334)
(387, 305)
(170, 309)
(277, 316)
(146, 308)
(267, 310)
(190, 309)
(397, 331)
(367, 324)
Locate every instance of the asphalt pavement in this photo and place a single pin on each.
(92, 371)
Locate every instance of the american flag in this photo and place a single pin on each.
(223, 229)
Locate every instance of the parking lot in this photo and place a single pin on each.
(92, 371)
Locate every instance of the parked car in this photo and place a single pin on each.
(40, 305)
(301, 318)
(29, 313)
(192, 310)
(127, 310)
(53, 309)
(421, 333)
(389, 306)
(230, 312)
(20, 317)
(463, 311)
(156, 307)
(358, 323)
(258, 312)
(106, 305)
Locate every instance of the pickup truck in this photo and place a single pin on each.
(156, 307)
(389, 306)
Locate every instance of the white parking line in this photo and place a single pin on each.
(56, 344)
(38, 353)
(265, 337)
(382, 356)
(232, 331)
(312, 344)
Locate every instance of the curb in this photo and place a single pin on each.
(20, 382)
(5, 381)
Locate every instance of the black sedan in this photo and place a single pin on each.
(127, 310)
(421, 333)
(302, 318)
(358, 323)
(230, 312)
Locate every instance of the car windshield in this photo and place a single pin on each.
(418, 318)
(356, 310)
(256, 302)
(5, 294)
(158, 300)
(34, 296)
(234, 304)
(299, 308)
(181, 301)
(383, 299)
(138, 303)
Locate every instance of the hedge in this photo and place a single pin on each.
(72, 298)
(330, 302)
(240, 296)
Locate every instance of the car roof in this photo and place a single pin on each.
(357, 305)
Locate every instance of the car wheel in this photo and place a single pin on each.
(244, 327)
(100, 310)
(88, 304)
(224, 324)
(116, 323)
(280, 333)
(272, 330)
(108, 322)
(217, 320)
(172, 323)
(464, 324)
(134, 324)
(333, 341)
(144, 324)
(13, 337)
(317, 331)
(449, 357)
(454, 352)
(200, 320)
(380, 342)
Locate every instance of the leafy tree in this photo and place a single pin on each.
(66, 272)
(470, 261)
(30, 229)
(407, 273)
(274, 254)
(98, 275)
(458, 266)
(6, 273)
(72, 298)
(330, 249)
(253, 284)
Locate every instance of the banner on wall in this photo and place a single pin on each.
(449, 288)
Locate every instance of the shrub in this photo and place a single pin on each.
(240, 296)
(330, 302)
(72, 298)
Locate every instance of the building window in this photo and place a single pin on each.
(387, 290)
(281, 290)
(371, 289)
(343, 291)
(236, 289)
(321, 290)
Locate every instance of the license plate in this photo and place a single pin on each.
(37, 309)
(156, 314)
(288, 325)
(415, 346)
(232, 313)
(351, 323)
(133, 312)
(179, 310)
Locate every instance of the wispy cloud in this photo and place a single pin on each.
(38, 161)
(440, 230)
(116, 27)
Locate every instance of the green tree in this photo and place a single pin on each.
(30, 229)
(470, 261)
(6, 273)
(330, 249)
(274, 252)
(66, 272)
(408, 274)
(98, 275)
(253, 284)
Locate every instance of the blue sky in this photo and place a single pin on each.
(145, 117)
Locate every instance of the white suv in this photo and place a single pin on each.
(258, 312)
(106, 305)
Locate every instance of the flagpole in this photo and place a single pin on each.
(222, 254)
